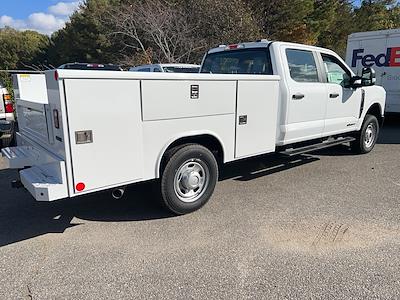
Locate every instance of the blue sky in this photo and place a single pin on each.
(45, 16)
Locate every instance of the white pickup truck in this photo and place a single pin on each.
(252, 98)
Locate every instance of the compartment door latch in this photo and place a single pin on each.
(84, 137)
(243, 120)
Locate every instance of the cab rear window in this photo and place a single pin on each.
(248, 61)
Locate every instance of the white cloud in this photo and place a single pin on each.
(45, 23)
(64, 8)
(9, 21)
(6, 20)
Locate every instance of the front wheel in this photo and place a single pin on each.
(367, 137)
(189, 179)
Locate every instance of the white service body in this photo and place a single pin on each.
(381, 51)
(105, 129)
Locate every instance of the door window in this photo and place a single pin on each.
(335, 72)
(302, 65)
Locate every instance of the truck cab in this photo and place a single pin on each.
(320, 96)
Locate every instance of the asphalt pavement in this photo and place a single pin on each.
(320, 226)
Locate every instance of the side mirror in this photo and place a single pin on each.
(356, 82)
(368, 77)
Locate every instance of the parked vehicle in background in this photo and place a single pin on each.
(251, 99)
(90, 66)
(167, 68)
(381, 51)
(7, 119)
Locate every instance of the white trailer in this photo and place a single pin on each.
(380, 50)
(104, 130)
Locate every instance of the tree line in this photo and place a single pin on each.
(132, 32)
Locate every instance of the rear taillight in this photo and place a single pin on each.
(9, 108)
(234, 46)
(8, 105)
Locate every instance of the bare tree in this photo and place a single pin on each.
(155, 29)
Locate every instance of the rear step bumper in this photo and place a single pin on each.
(44, 175)
(18, 157)
(315, 147)
(42, 184)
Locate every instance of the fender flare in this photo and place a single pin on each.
(189, 134)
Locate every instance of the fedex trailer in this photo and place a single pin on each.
(381, 51)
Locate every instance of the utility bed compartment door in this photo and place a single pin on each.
(34, 120)
(256, 119)
(104, 117)
(176, 99)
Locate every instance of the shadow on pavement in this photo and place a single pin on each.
(22, 218)
(262, 166)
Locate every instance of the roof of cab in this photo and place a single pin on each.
(257, 44)
(264, 44)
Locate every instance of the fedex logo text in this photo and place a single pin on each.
(389, 59)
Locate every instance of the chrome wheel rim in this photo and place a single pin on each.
(370, 135)
(191, 181)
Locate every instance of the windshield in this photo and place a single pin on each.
(181, 70)
(250, 61)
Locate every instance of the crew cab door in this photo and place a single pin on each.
(343, 102)
(306, 99)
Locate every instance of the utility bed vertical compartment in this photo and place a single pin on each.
(256, 117)
(105, 130)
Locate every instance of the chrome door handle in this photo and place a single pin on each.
(335, 95)
(298, 97)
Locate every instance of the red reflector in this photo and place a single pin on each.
(56, 75)
(80, 186)
(234, 46)
(9, 108)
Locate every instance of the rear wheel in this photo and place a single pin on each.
(189, 178)
(367, 137)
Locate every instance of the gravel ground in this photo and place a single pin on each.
(322, 226)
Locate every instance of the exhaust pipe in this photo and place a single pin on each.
(118, 193)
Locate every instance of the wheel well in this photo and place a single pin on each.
(376, 111)
(206, 140)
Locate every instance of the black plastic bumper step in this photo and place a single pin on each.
(314, 147)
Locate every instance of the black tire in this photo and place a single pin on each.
(363, 144)
(9, 141)
(6, 142)
(203, 166)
